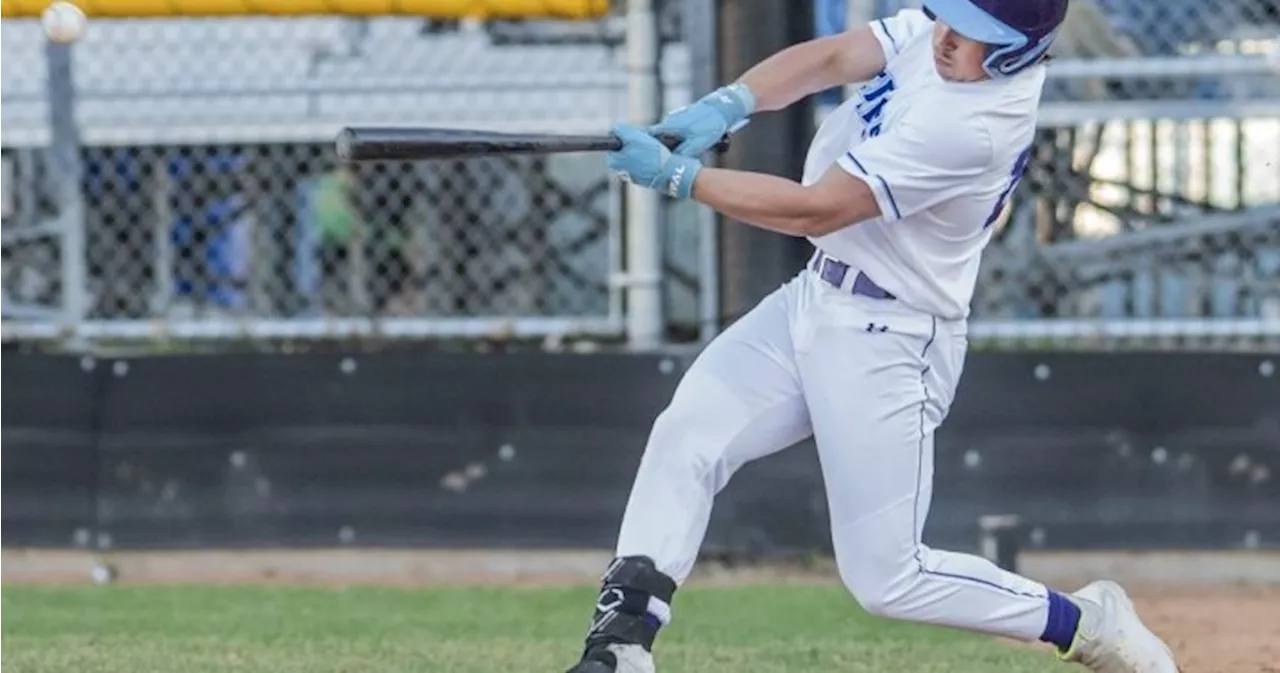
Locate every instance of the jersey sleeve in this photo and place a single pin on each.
(895, 32)
(921, 162)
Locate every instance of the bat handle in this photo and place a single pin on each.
(672, 141)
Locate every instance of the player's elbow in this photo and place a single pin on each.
(819, 224)
(826, 214)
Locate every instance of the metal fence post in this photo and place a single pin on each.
(701, 35)
(64, 155)
(643, 206)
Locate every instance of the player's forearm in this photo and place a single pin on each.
(765, 201)
(813, 66)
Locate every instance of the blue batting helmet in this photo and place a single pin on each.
(1018, 32)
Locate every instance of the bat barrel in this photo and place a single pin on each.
(377, 144)
(416, 144)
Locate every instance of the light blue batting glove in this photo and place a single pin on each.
(703, 123)
(646, 162)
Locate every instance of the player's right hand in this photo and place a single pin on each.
(646, 162)
(703, 123)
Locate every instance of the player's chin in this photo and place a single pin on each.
(949, 74)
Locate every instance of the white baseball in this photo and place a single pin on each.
(64, 22)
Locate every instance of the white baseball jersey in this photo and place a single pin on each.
(942, 159)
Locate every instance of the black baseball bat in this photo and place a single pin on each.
(356, 143)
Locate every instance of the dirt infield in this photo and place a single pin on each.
(1218, 630)
(1218, 611)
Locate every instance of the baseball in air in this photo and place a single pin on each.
(64, 22)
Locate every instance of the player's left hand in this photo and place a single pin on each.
(702, 124)
(648, 163)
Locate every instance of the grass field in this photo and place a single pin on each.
(772, 628)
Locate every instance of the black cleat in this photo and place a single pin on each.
(596, 661)
(615, 658)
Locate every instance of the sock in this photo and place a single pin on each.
(1064, 619)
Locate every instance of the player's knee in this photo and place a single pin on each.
(890, 600)
(883, 588)
(874, 595)
(882, 602)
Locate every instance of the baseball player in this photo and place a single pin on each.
(864, 347)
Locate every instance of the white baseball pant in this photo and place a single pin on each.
(871, 380)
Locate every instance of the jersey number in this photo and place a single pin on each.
(1015, 176)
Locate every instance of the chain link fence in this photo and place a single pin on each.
(213, 204)
(1150, 211)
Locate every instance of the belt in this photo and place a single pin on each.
(834, 272)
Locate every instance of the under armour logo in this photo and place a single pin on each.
(874, 328)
